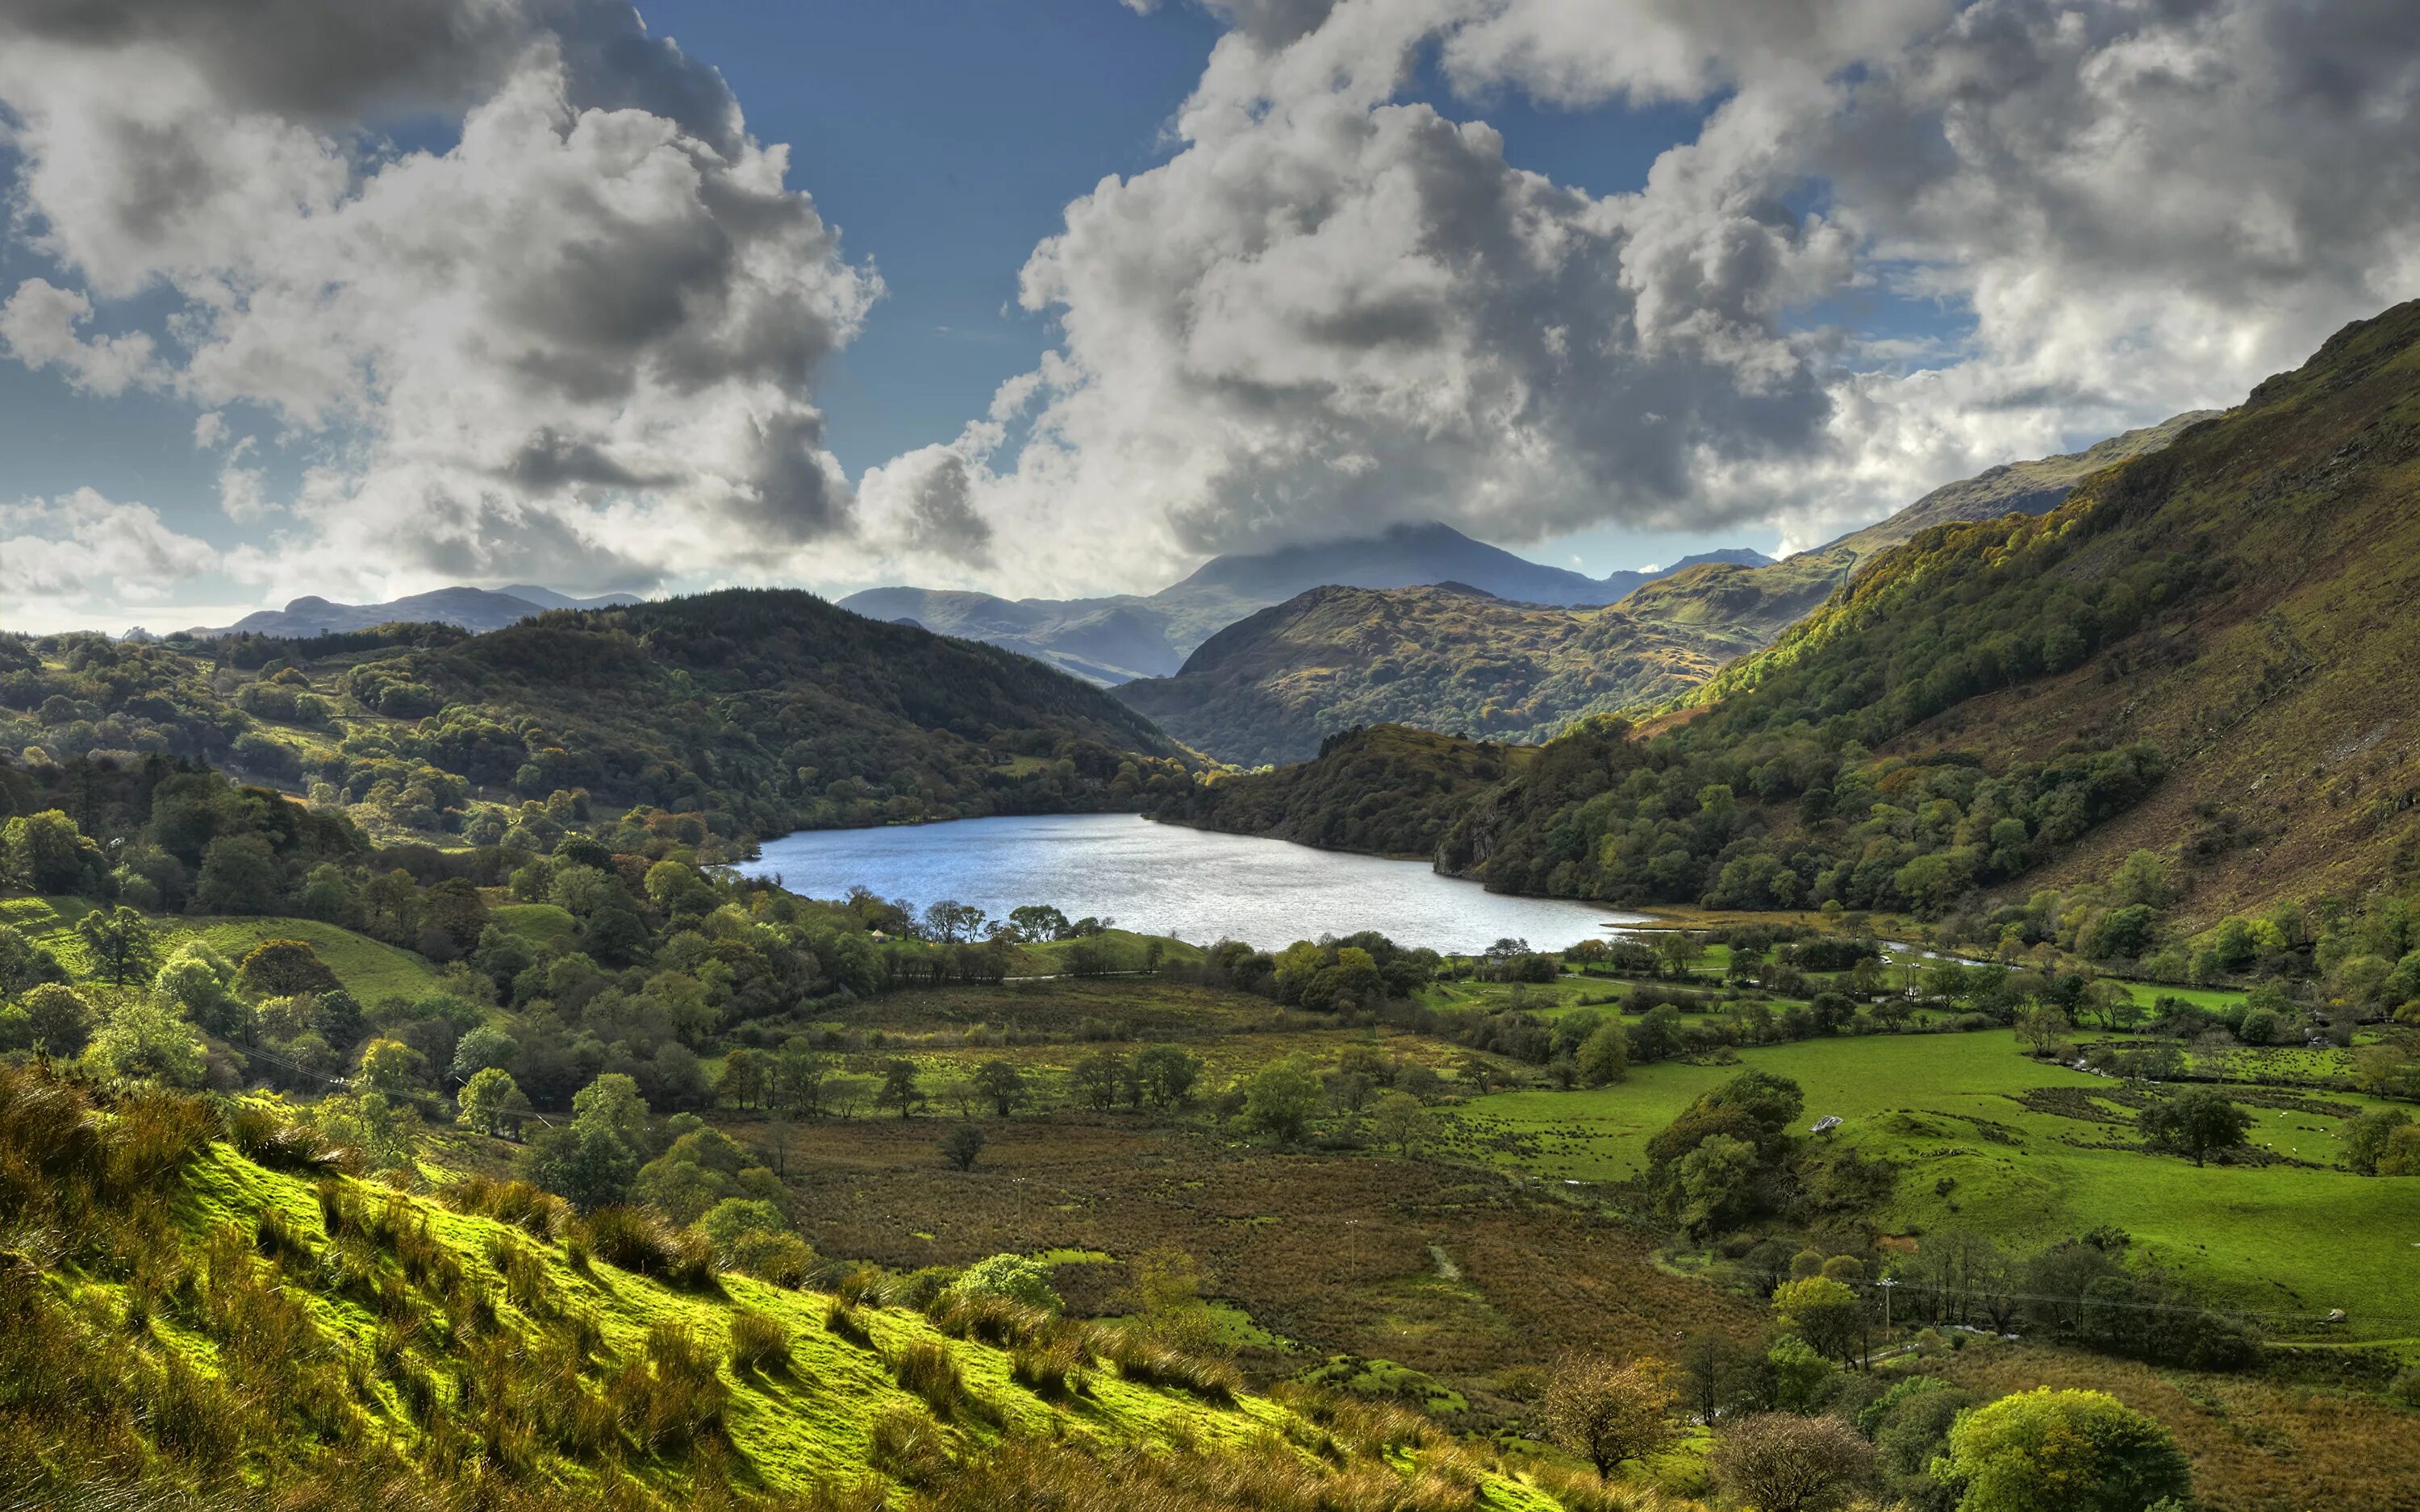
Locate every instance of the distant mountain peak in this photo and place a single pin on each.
(476, 609)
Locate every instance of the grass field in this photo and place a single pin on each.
(538, 923)
(370, 969)
(1946, 1108)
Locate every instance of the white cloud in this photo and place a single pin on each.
(38, 327)
(576, 344)
(84, 550)
(1334, 308)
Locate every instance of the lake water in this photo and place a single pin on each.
(1166, 879)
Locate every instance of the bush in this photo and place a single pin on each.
(1015, 1277)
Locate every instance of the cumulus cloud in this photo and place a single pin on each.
(39, 328)
(83, 546)
(1335, 306)
(574, 343)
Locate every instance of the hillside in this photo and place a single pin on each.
(2034, 487)
(221, 1308)
(1386, 789)
(1112, 640)
(764, 711)
(2201, 654)
(470, 609)
(1271, 687)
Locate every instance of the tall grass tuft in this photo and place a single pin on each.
(532, 1209)
(637, 1240)
(759, 1341)
(844, 1320)
(929, 1368)
(909, 1447)
(673, 1393)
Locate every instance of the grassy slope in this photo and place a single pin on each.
(2281, 693)
(370, 969)
(1916, 1099)
(791, 1428)
(1269, 688)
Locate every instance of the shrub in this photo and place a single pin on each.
(1788, 1463)
(1013, 1277)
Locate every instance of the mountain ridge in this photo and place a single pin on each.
(476, 609)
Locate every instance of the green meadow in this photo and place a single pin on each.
(2296, 1235)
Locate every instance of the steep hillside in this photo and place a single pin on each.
(2034, 487)
(1112, 640)
(763, 710)
(1270, 688)
(1386, 789)
(2203, 653)
(218, 1315)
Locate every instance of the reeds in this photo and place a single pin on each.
(759, 1341)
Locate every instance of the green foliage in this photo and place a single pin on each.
(2062, 1451)
(2200, 1121)
(1017, 1278)
(1281, 1098)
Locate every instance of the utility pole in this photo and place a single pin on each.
(1886, 1282)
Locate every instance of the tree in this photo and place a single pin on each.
(1039, 921)
(2047, 1450)
(147, 1038)
(1607, 1413)
(1824, 1312)
(1782, 1462)
(962, 1145)
(2042, 1026)
(1399, 1119)
(1604, 1055)
(899, 1087)
(487, 1101)
(47, 853)
(2198, 1121)
(1717, 1184)
(742, 1079)
(2366, 1136)
(240, 875)
(1281, 1098)
(24, 964)
(611, 1103)
(62, 1019)
(951, 921)
(702, 1168)
(1165, 1073)
(121, 941)
(1002, 1085)
(1096, 1078)
(586, 1163)
(749, 1236)
(392, 1066)
(285, 968)
(484, 1048)
(196, 981)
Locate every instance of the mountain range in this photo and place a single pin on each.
(2204, 652)
(475, 609)
(1270, 687)
(1127, 636)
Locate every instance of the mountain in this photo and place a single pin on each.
(2204, 653)
(1117, 638)
(471, 608)
(761, 710)
(1272, 687)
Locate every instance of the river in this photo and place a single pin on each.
(1166, 879)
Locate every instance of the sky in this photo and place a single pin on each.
(1062, 296)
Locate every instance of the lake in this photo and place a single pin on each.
(1166, 879)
